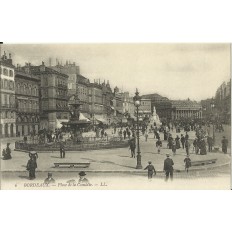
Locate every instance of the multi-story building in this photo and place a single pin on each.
(145, 108)
(107, 100)
(53, 96)
(7, 94)
(96, 108)
(223, 102)
(128, 104)
(83, 94)
(162, 105)
(27, 101)
(186, 109)
(206, 108)
(72, 70)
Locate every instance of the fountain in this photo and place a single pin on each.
(75, 124)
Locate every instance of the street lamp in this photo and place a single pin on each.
(137, 103)
(212, 104)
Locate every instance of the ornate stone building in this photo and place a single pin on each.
(53, 96)
(186, 109)
(7, 97)
(27, 101)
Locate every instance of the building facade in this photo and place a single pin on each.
(72, 70)
(27, 101)
(83, 94)
(53, 96)
(145, 107)
(7, 95)
(223, 102)
(182, 109)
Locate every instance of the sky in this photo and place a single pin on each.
(176, 71)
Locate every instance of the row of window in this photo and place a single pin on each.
(8, 99)
(7, 84)
(27, 119)
(8, 114)
(7, 72)
(27, 89)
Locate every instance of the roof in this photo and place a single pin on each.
(36, 71)
(185, 104)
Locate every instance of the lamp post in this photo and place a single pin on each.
(137, 102)
(212, 110)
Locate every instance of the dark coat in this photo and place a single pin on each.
(168, 164)
(31, 164)
(150, 168)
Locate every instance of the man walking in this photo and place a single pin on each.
(132, 147)
(168, 167)
(182, 140)
(62, 150)
(224, 145)
(210, 143)
(187, 162)
(151, 170)
(187, 146)
(159, 145)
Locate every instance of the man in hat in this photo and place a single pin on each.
(82, 180)
(132, 147)
(168, 167)
(182, 140)
(49, 179)
(31, 166)
(62, 150)
(151, 170)
(187, 162)
(224, 145)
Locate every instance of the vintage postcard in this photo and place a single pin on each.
(115, 116)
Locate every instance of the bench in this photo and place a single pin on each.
(71, 165)
(203, 162)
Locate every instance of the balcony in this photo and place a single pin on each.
(8, 106)
(27, 110)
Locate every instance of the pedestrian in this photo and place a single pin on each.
(31, 166)
(170, 140)
(187, 146)
(132, 147)
(168, 168)
(203, 150)
(195, 145)
(82, 180)
(7, 152)
(146, 135)
(182, 139)
(33, 154)
(62, 150)
(49, 179)
(210, 143)
(159, 145)
(151, 170)
(224, 144)
(186, 135)
(177, 139)
(174, 147)
(124, 134)
(187, 162)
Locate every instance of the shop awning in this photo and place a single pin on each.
(82, 117)
(100, 119)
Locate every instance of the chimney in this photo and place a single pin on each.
(42, 67)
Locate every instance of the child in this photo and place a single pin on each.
(187, 162)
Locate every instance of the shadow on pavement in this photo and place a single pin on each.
(24, 177)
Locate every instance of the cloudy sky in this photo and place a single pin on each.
(177, 71)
